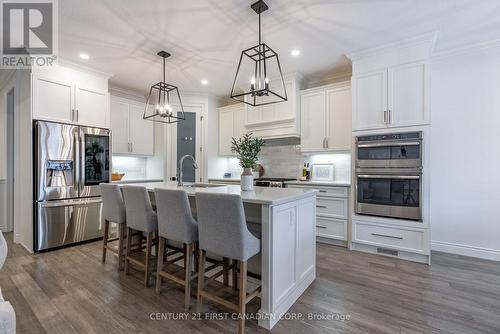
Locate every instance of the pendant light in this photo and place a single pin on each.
(164, 103)
(259, 80)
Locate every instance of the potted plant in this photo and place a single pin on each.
(247, 148)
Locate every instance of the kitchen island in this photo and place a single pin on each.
(287, 218)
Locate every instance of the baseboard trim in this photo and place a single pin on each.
(472, 251)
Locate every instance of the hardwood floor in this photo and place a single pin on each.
(71, 291)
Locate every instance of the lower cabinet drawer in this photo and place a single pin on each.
(396, 238)
(332, 207)
(331, 228)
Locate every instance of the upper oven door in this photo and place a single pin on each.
(389, 154)
(389, 195)
(95, 163)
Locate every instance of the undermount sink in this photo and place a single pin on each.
(203, 185)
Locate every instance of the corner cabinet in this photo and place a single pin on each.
(70, 96)
(278, 120)
(326, 118)
(231, 124)
(131, 134)
(392, 97)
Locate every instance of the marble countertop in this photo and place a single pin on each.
(260, 195)
(138, 181)
(227, 179)
(320, 183)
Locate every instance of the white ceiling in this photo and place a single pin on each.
(206, 37)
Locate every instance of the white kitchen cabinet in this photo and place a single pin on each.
(131, 134)
(393, 97)
(332, 211)
(326, 118)
(67, 95)
(277, 120)
(231, 124)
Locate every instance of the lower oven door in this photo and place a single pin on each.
(65, 222)
(389, 195)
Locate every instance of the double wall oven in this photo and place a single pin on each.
(388, 175)
(70, 162)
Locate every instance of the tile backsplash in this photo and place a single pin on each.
(287, 161)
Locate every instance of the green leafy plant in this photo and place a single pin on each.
(247, 148)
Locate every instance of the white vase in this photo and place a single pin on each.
(246, 180)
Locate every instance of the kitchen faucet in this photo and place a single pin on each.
(179, 167)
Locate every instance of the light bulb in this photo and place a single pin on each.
(157, 107)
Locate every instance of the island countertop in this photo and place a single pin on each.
(260, 195)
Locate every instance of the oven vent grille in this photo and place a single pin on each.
(387, 251)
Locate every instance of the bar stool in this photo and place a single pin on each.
(223, 231)
(140, 217)
(113, 211)
(176, 223)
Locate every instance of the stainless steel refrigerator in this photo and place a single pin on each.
(70, 162)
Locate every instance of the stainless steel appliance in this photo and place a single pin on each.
(396, 150)
(275, 182)
(70, 162)
(388, 175)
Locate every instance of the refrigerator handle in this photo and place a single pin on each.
(77, 161)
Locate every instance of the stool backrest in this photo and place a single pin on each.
(140, 214)
(175, 220)
(222, 225)
(113, 206)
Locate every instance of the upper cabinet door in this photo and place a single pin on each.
(313, 122)
(53, 99)
(119, 124)
(226, 130)
(369, 100)
(339, 116)
(141, 131)
(408, 90)
(91, 107)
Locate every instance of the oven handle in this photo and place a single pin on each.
(390, 143)
(388, 176)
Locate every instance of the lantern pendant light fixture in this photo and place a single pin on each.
(259, 80)
(164, 103)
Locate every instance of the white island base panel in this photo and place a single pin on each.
(288, 241)
(288, 256)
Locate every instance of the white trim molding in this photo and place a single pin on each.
(490, 45)
(466, 250)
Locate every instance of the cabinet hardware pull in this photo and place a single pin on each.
(387, 236)
(326, 142)
(76, 111)
(385, 116)
(322, 191)
(321, 206)
(72, 115)
(390, 116)
(319, 226)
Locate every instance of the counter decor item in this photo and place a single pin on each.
(117, 176)
(322, 172)
(247, 149)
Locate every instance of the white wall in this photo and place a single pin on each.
(465, 154)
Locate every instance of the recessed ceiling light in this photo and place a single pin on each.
(84, 56)
(204, 82)
(295, 52)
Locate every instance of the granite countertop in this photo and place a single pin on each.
(320, 183)
(260, 195)
(137, 181)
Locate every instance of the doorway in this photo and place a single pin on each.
(9, 189)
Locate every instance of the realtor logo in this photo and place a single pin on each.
(29, 33)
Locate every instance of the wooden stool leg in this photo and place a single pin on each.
(187, 269)
(235, 275)
(127, 250)
(201, 278)
(149, 243)
(105, 240)
(243, 296)
(161, 251)
(196, 256)
(225, 275)
(120, 245)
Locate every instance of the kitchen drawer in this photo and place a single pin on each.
(331, 228)
(395, 238)
(325, 191)
(332, 207)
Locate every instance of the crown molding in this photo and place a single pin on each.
(430, 38)
(333, 79)
(472, 48)
(70, 64)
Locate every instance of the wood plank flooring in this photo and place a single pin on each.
(71, 291)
